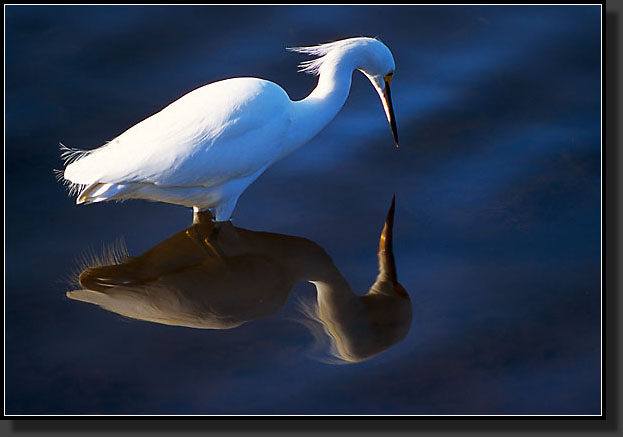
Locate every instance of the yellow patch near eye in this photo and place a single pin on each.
(388, 78)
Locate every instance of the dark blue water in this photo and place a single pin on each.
(497, 227)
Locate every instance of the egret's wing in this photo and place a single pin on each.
(222, 131)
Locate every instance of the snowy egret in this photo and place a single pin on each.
(180, 282)
(207, 147)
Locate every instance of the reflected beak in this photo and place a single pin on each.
(387, 264)
(389, 109)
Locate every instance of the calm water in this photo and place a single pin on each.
(497, 226)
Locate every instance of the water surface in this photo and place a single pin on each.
(497, 225)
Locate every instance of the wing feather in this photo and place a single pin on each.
(222, 131)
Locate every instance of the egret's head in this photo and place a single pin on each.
(377, 63)
(368, 55)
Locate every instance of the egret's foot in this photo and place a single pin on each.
(211, 241)
(208, 240)
(214, 248)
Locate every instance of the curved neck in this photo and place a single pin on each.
(315, 111)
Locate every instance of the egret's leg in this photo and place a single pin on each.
(208, 240)
(205, 240)
(222, 213)
(222, 217)
(223, 236)
(211, 241)
(197, 232)
(202, 216)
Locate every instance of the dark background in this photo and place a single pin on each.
(497, 224)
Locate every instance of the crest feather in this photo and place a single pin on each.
(321, 51)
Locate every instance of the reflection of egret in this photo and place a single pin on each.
(206, 148)
(362, 326)
(183, 281)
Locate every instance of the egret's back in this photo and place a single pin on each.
(221, 131)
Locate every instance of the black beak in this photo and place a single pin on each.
(389, 111)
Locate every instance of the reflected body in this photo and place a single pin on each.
(206, 148)
(188, 281)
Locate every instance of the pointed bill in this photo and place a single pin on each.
(386, 98)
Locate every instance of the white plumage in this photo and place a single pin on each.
(206, 148)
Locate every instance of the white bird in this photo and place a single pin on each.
(206, 148)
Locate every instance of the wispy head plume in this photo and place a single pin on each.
(321, 51)
(313, 66)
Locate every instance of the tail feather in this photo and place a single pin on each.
(68, 156)
(72, 187)
(79, 180)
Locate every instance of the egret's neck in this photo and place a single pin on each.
(315, 111)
